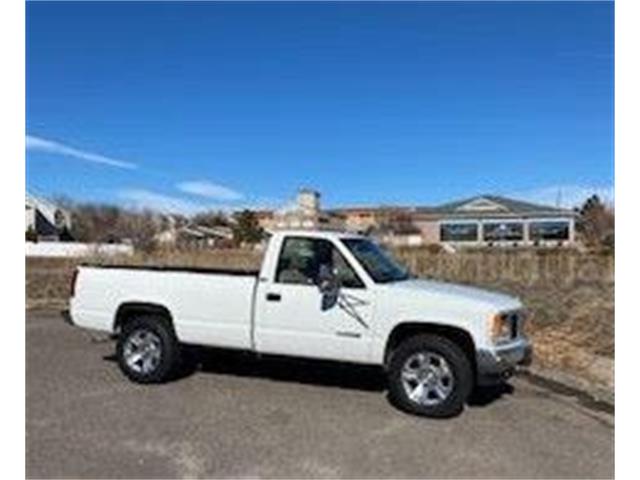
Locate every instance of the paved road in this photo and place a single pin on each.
(238, 417)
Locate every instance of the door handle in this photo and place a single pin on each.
(274, 297)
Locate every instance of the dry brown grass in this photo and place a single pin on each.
(570, 294)
(48, 279)
(221, 258)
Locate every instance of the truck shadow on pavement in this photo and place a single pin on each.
(305, 371)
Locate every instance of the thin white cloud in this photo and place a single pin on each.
(565, 196)
(207, 189)
(141, 198)
(38, 144)
(145, 199)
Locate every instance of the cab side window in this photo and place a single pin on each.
(297, 262)
(301, 259)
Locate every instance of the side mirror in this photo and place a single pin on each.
(329, 287)
(327, 281)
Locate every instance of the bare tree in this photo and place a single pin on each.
(139, 228)
(111, 224)
(596, 223)
(246, 229)
(93, 223)
(211, 219)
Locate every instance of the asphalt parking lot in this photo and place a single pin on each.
(240, 417)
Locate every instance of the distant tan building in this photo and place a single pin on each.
(360, 219)
(304, 214)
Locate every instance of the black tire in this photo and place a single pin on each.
(160, 329)
(459, 367)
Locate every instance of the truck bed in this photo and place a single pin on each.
(177, 268)
(209, 306)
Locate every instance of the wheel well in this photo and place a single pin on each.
(460, 337)
(127, 311)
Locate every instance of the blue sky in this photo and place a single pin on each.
(186, 106)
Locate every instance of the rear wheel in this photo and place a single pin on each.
(148, 350)
(429, 375)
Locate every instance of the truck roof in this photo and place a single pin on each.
(328, 234)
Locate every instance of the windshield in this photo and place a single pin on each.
(378, 263)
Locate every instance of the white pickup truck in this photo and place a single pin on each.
(322, 295)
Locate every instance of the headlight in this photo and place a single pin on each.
(506, 325)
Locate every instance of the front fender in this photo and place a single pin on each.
(466, 325)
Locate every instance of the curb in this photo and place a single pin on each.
(596, 396)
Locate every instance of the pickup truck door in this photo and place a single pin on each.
(294, 318)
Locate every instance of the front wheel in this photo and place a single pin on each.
(429, 375)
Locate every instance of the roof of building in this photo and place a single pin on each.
(202, 231)
(510, 204)
(45, 207)
(473, 206)
(492, 205)
(40, 202)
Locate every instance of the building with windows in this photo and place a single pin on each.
(490, 220)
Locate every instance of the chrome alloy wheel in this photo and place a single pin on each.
(142, 351)
(427, 378)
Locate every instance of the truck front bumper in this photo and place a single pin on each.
(499, 363)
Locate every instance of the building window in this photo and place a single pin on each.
(549, 231)
(459, 232)
(512, 231)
